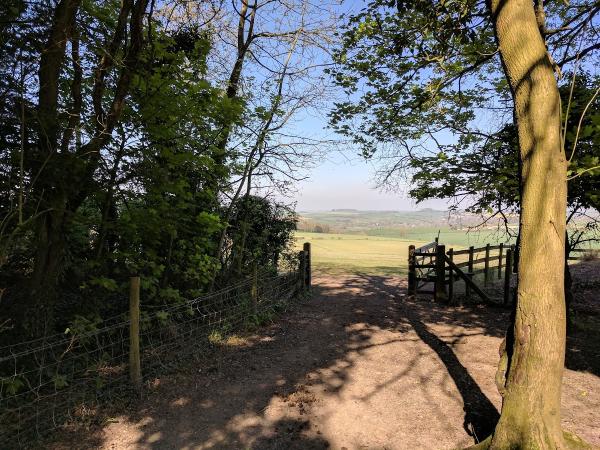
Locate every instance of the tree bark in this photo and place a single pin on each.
(49, 227)
(530, 417)
(67, 178)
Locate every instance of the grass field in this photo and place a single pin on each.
(378, 240)
(340, 253)
(379, 255)
(448, 236)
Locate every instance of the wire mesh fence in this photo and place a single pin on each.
(51, 381)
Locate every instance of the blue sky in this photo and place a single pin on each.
(346, 181)
(343, 180)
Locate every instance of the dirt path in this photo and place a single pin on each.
(356, 367)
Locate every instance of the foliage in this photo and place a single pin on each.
(428, 99)
(485, 174)
(125, 172)
(259, 231)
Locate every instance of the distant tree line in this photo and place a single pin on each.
(313, 227)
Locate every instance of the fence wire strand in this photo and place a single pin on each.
(48, 382)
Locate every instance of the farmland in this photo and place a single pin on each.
(374, 255)
(338, 253)
(376, 242)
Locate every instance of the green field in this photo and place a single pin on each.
(376, 242)
(418, 226)
(378, 255)
(447, 236)
(338, 253)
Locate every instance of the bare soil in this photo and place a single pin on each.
(357, 366)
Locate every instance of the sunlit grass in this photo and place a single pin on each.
(340, 253)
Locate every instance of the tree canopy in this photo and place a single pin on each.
(139, 138)
(427, 98)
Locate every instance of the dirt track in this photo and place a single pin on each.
(355, 367)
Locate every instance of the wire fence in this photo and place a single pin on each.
(52, 381)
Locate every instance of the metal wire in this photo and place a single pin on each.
(49, 382)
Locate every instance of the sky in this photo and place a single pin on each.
(345, 181)
(342, 180)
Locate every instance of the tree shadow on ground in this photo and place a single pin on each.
(258, 391)
(480, 415)
(583, 343)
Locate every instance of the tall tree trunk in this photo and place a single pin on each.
(66, 178)
(50, 225)
(530, 417)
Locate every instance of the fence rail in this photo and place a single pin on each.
(48, 382)
(583, 254)
(433, 264)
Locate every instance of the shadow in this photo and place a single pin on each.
(358, 361)
(288, 435)
(583, 341)
(481, 415)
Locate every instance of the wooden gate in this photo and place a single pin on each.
(431, 263)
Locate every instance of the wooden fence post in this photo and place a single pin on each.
(469, 272)
(507, 275)
(412, 272)
(512, 261)
(135, 368)
(254, 289)
(486, 267)
(440, 274)
(307, 258)
(302, 277)
(451, 277)
(500, 252)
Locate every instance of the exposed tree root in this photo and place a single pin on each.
(483, 445)
(572, 441)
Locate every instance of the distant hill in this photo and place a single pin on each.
(353, 220)
(425, 225)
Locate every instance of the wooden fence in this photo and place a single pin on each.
(431, 263)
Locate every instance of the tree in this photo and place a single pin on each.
(260, 231)
(481, 178)
(419, 73)
(530, 416)
(124, 159)
(129, 167)
(59, 166)
(276, 74)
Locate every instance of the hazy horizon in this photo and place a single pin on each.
(344, 181)
(371, 210)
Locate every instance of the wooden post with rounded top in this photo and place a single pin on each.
(440, 274)
(135, 368)
(412, 271)
(302, 270)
